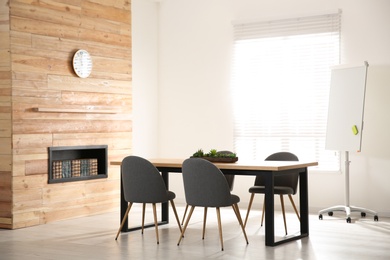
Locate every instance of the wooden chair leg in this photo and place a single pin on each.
(220, 227)
(175, 212)
(293, 204)
(238, 215)
(283, 212)
(186, 224)
(262, 214)
(184, 215)
(204, 221)
(249, 208)
(143, 217)
(124, 219)
(155, 222)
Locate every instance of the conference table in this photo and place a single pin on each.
(269, 169)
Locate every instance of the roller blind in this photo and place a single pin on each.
(280, 87)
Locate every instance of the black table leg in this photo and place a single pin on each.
(123, 205)
(304, 202)
(269, 204)
(165, 205)
(269, 209)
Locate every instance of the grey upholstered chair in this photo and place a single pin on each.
(206, 186)
(142, 183)
(283, 185)
(230, 180)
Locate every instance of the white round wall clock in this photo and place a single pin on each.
(82, 63)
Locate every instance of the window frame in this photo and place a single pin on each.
(307, 26)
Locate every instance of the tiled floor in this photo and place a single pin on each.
(94, 238)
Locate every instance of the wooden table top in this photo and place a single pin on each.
(239, 165)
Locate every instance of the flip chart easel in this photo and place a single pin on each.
(345, 124)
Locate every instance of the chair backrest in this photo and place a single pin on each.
(204, 184)
(286, 180)
(230, 177)
(142, 182)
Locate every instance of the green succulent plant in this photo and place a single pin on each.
(213, 153)
(198, 153)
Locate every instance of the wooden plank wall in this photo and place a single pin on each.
(44, 35)
(5, 119)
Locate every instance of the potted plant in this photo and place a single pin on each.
(216, 156)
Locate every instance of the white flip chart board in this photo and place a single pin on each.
(346, 108)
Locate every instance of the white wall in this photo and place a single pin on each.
(145, 42)
(190, 86)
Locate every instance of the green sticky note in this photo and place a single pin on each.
(355, 130)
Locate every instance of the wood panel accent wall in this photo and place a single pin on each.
(5, 119)
(39, 93)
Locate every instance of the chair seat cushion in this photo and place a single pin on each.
(235, 199)
(277, 190)
(171, 195)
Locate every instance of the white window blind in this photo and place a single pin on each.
(280, 87)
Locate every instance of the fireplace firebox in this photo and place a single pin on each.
(76, 163)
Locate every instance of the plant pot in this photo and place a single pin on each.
(219, 159)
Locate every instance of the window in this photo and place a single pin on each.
(280, 87)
